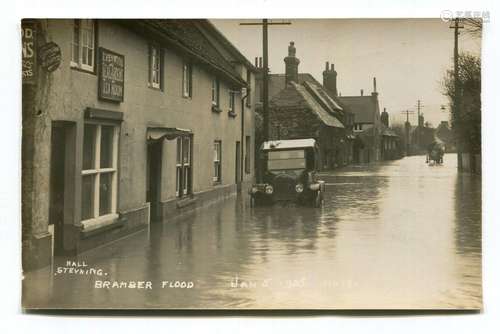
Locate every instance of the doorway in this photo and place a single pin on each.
(153, 183)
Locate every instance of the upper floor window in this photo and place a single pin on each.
(249, 84)
(215, 92)
(155, 66)
(187, 80)
(231, 101)
(83, 44)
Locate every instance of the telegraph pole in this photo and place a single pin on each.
(265, 71)
(456, 94)
(419, 128)
(407, 128)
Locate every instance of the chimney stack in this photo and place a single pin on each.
(291, 65)
(330, 79)
(260, 62)
(256, 62)
(384, 118)
(374, 93)
(361, 92)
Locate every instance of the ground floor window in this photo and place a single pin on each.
(217, 177)
(183, 174)
(99, 170)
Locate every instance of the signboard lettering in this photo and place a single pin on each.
(111, 75)
(29, 64)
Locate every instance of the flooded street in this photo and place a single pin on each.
(392, 235)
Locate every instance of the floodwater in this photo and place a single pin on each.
(391, 235)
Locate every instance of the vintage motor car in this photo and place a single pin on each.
(288, 174)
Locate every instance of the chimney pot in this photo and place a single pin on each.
(361, 92)
(327, 65)
(374, 85)
(291, 65)
(256, 62)
(333, 67)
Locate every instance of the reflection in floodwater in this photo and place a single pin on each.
(397, 234)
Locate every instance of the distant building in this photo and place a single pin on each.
(421, 136)
(390, 147)
(300, 107)
(445, 134)
(367, 125)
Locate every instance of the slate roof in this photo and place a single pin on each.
(363, 107)
(184, 36)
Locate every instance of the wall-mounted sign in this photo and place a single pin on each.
(49, 56)
(111, 75)
(28, 35)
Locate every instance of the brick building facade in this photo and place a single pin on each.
(300, 107)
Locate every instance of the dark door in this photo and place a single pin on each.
(57, 173)
(153, 186)
(237, 164)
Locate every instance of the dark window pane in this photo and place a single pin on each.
(179, 151)
(89, 146)
(105, 193)
(185, 151)
(88, 197)
(107, 146)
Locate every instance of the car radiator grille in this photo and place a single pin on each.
(284, 188)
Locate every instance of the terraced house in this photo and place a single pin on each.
(127, 122)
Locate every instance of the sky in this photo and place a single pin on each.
(409, 57)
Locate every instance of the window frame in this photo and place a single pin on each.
(155, 65)
(78, 28)
(187, 80)
(249, 90)
(217, 162)
(184, 167)
(232, 101)
(215, 92)
(97, 171)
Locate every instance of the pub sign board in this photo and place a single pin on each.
(111, 75)
(29, 65)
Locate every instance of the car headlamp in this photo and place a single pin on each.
(299, 188)
(269, 189)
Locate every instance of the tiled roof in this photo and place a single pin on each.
(323, 112)
(186, 37)
(277, 82)
(363, 107)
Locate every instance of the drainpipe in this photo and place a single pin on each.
(243, 146)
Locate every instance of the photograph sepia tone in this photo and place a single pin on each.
(252, 164)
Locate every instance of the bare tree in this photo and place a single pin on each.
(473, 26)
